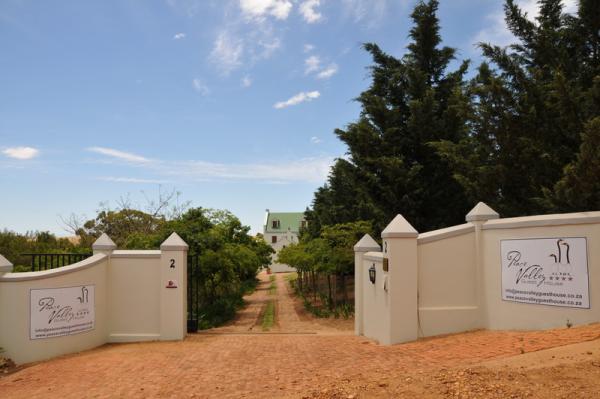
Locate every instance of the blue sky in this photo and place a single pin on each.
(233, 103)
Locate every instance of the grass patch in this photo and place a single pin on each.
(268, 316)
(273, 286)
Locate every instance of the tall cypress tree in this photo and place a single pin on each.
(392, 166)
(528, 114)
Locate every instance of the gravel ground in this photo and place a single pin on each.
(303, 357)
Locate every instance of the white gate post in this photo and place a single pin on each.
(366, 244)
(5, 265)
(104, 245)
(480, 214)
(173, 290)
(400, 249)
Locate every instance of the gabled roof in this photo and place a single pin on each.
(287, 220)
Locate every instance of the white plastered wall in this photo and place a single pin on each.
(459, 278)
(15, 312)
(134, 296)
(447, 276)
(132, 302)
(503, 315)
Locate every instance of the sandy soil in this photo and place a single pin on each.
(302, 357)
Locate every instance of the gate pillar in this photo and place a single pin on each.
(173, 290)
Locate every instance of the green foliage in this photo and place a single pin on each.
(324, 266)
(14, 245)
(527, 115)
(392, 168)
(268, 316)
(229, 258)
(520, 135)
(126, 227)
(579, 188)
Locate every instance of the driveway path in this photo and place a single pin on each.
(234, 362)
(290, 317)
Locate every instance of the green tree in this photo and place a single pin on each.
(527, 115)
(579, 188)
(392, 167)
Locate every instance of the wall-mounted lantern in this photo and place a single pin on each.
(372, 274)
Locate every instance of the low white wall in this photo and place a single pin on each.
(459, 277)
(447, 278)
(375, 300)
(137, 296)
(134, 295)
(15, 310)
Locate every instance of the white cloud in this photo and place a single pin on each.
(312, 64)
(303, 170)
(269, 47)
(259, 9)
(246, 81)
(315, 140)
(328, 72)
(496, 32)
(308, 48)
(132, 180)
(187, 7)
(309, 12)
(313, 170)
(200, 87)
(371, 11)
(179, 36)
(121, 155)
(21, 152)
(297, 99)
(227, 52)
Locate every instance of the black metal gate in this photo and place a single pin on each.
(41, 262)
(193, 294)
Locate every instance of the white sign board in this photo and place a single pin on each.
(546, 271)
(56, 312)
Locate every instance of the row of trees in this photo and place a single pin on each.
(228, 257)
(325, 267)
(522, 134)
(13, 246)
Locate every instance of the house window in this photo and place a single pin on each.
(273, 239)
(276, 224)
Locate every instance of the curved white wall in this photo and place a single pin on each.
(15, 312)
(138, 296)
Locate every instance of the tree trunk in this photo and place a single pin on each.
(314, 284)
(344, 292)
(329, 291)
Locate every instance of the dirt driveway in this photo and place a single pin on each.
(303, 357)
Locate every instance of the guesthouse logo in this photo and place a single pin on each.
(556, 270)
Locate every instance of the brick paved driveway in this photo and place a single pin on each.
(236, 365)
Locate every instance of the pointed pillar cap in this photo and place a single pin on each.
(481, 212)
(174, 243)
(104, 243)
(367, 244)
(5, 265)
(399, 228)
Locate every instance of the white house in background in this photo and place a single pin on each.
(279, 230)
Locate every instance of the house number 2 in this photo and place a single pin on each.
(172, 266)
